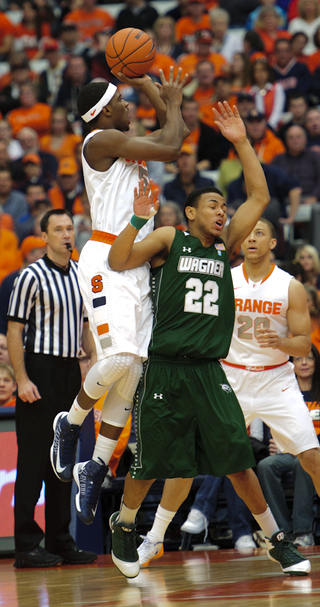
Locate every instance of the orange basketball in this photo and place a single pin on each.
(130, 51)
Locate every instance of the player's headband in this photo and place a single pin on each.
(96, 109)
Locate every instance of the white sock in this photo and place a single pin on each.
(127, 515)
(104, 448)
(268, 525)
(76, 415)
(160, 525)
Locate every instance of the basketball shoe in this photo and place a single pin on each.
(89, 477)
(63, 448)
(285, 553)
(124, 552)
(149, 550)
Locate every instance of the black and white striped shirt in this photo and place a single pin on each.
(47, 300)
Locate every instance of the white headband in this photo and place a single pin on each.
(96, 109)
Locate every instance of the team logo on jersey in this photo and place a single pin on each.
(186, 249)
(157, 396)
(226, 388)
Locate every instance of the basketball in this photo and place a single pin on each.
(130, 51)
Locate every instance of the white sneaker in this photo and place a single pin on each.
(195, 523)
(305, 539)
(149, 550)
(245, 541)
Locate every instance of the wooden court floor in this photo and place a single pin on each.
(221, 578)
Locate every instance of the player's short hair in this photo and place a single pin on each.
(194, 197)
(270, 226)
(45, 219)
(89, 95)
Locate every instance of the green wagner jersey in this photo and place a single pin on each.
(193, 300)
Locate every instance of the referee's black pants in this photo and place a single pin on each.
(58, 381)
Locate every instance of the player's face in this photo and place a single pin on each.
(120, 109)
(304, 366)
(211, 214)
(259, 244)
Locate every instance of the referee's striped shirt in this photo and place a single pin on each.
(47, 300)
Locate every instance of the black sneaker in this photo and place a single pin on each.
(124, 548)
(285, 553)
(75, 556)
(89, 477)
(63, 448)
(38, 557)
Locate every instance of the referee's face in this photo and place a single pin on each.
(59, 235)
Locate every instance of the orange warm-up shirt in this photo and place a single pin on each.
(67, 147)
(90, 22)
(269, 42)
(163, 62)
(28, 38)
(38, 117)
(207, 115)
(189, 62)
(267, 148)
(57, 200)
(10, 256)
(187, 27)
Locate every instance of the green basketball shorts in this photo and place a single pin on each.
(188, 421)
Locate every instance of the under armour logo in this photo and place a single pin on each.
(160, 396)
(187, 249)
(226, 387)
(93, 113)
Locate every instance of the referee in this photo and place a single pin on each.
(45, 327)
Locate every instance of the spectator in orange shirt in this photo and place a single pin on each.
(165, 38)
(62, 141)
(266, 145)
(69, 39)
(239, 72)
(163, 62)
(10, 258)
(205, 76)
(30, 30)
(203, 41)
(6, 36)
(11, 82)
(90, 19)
(223, 92)
(8, 386)
(31, 113)
(269, 27)
(186, 27)
(67, 193)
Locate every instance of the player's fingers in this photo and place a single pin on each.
(228, 108)
(162, 78)
(236, 111)
(184, 80)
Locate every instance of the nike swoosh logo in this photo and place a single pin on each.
(102, 385)
(58, 467)
(234, 288)
(127, 408)
(92, 113)
(286, 389)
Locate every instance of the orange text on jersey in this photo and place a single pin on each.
(255, 305)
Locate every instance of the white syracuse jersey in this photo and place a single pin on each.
(111, 193)
(262, 304)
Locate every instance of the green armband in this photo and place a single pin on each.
(138, 222)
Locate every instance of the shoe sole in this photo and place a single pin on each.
(61, 478)
(82, 518)
(129, 570)
(302, 568)
(156, 556)
(84, 562)
(30, 565)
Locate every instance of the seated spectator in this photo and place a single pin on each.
(13, 147)
(222, 92)
(245, 103)
(297, 111)
(238, 11)
(251, 21)
(163, 62)
(35, 195)
(188, 178)
(30, 113)
(312, 125)
(224, 41)
(202, 87)
(75, 77)
(8, 386)
(272, 469)
(146, 113)
(11, 201)
(170, 214)
(265, 143)
(314, 58)
(136, 13)
(313, 301)
(239, 72)
(33, 173)
(269, 26)
(29, 140)
(202, 52)
(253, 45)
(66, 194)
(69, 39)
(30, 30)
(165, 39)
(298, 43)
(95, 56)
(6, 36)
(196, 19)
(211, 146)
(4, 352)
(82, 223)
(10, 258)
(308, 21)
(5, 161)
(11, 83)
(62, 141)
(90, 19)
(301, 163)
(51, 78)
(308, 256)
(293, 75)
(180, 10)
(269, 98)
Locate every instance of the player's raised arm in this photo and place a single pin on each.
(232, 127)
(124, 253)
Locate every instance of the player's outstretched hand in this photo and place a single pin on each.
(171, 90)
(229, 122)
(145, 202)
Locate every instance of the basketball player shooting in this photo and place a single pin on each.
(118, 305)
